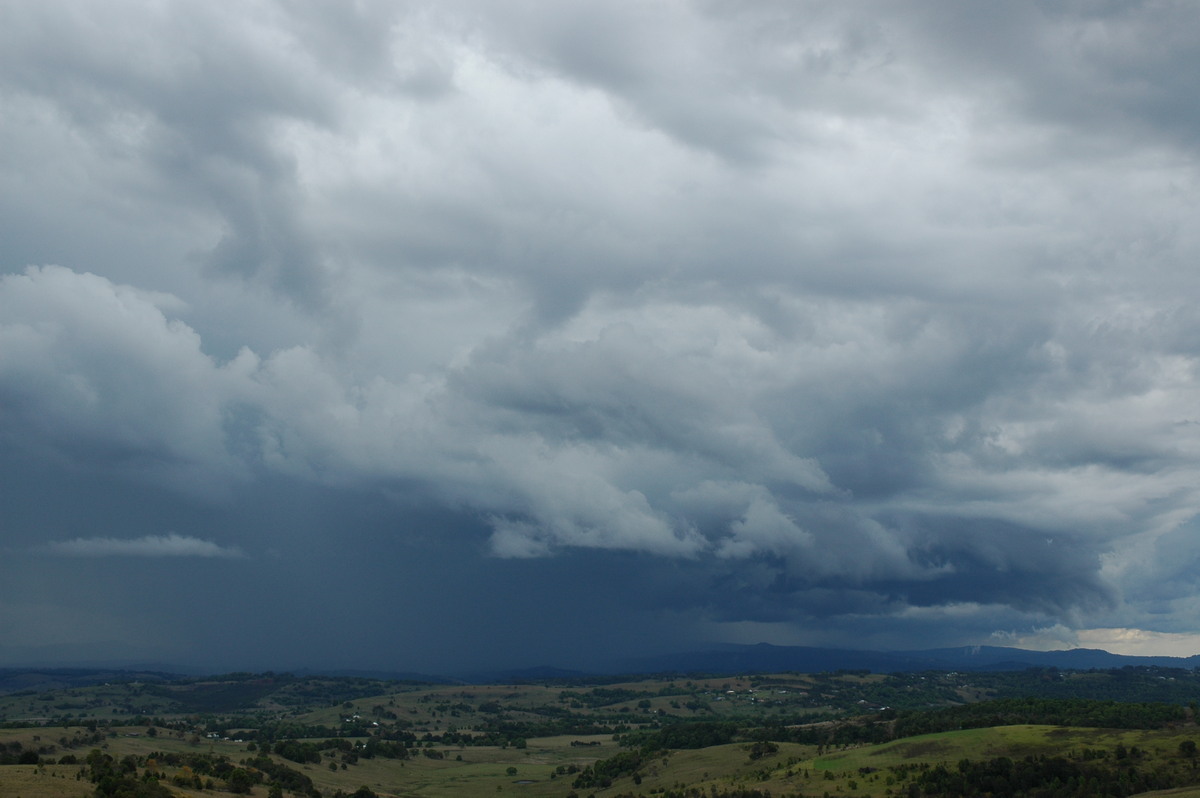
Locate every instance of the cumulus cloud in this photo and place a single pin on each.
(97, 372)
(171, 545)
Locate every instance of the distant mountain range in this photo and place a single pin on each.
(729, 659)
(717, 660)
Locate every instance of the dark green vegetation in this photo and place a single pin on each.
(1034, 733)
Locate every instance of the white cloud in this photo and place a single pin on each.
(171, 545)
(1117, 640)
(1138, 642)
(97, 371)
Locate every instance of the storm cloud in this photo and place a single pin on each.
(863, 324)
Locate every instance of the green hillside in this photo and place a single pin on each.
(271, 735)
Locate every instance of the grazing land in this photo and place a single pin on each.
(1037, 733)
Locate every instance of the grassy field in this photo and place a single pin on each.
(491, 771)
(528, 763)
(52, 781)
(868, 767)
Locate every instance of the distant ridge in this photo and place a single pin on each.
(715, 660)
(541, 673)
(764, 657)
(37, 680)
(382, 675)
(993, 657)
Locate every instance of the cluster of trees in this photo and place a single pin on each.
(1002, 712)
(268, 732)
(115, 779)
(1045, 777)
(297, 751)
(601, 774)
(1130, 683)
(688, 734)
(602, 696)
(194, 770)
(14, 753)
(827, 735)
(361, 792)
(388, 749)
(1048, 711)
(282, 776)
(713, 792)
(328, 691)
(762, 748)
(348, 751)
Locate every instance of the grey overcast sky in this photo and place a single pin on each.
(440, 335)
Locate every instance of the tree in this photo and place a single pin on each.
(240, 781)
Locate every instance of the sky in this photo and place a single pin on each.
(448, 335)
